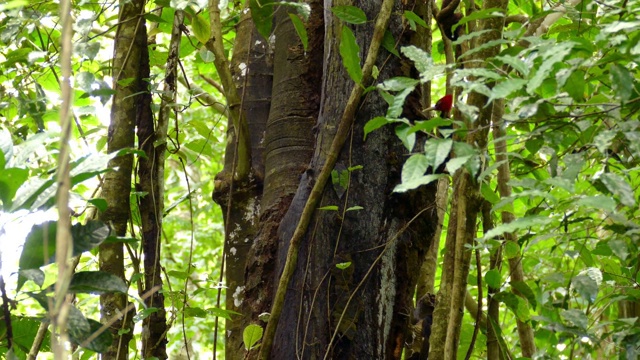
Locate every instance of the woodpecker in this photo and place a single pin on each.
(443, 105)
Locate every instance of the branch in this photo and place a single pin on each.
(316, 193)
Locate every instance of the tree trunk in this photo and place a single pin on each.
(127, 63)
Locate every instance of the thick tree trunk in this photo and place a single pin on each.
(251, 67)
(361, 311)
(127, 63)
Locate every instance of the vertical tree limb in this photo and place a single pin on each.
(64, 242)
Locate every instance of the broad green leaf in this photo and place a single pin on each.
(493, 279)
(96, 282)
(515, 62)
(201, 28)
(515, 304)
(560, 51)
(40, 245)
(343, 265)
(414, 167)
(423, 63)
(403, 132)
(350, 14)
(251, 335)
(374, 124)
(618, 186)
(505, 88)
(511, 250)
(622, 81)
(487, 192)
(480, 14)
(262, 15)
(397, 104)
(221, 313)
(525, 291)
(350, 53)
(101, 343)
(456, 163)
(389, 43)
(429, 125)
(576, 318)
(88, 236)
(436, 151)
(301, 30)
(413, 17)
(196, 312)
(398, 83)
(518, 224)
(586, 287)
(10, 181)
(35, 275)
(605, 203)
(99, 203)
(417, 182)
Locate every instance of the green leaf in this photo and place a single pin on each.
(301, 30)
(598, 202)
(618, 186)
(201, 28)
(515, 304)
(399, 83)
(408, 138)
(374, 124)
(415, 183)
(10, 181)
(505, 88)
(410, 15)
(586, 287)
(262, 15)
(226, 314)
(622, 81)
(88, 236)
(511, 250)
(96, 282)
(515, 62)
(99, 203)
(480, 14)
(350, 53)
(524, 289)
(456, 163)
(329, 208)
(251, 335)
(576, 318)
(101, 343)
(41, 240)
(414, 167)
(560, 51)
(197, 312)
(518, 224)
(389, 43)
(354, 208)
(343, 265)
(422, 61)
(350, 14)
(35, 275)
(488, 193)
(436, 151)
(493, 279)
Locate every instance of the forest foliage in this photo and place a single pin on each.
(571, 125)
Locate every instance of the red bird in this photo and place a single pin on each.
(444, 105)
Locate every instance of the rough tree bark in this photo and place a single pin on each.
(127, 63)
(385, 242)
(251, 68)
